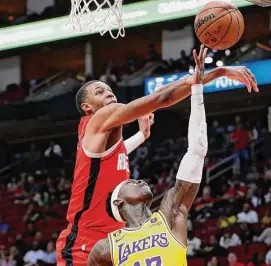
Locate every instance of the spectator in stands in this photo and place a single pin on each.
(31, 215)
(253, 174)
(247, 215)
(153, 54)
(193, 244)
(268, 257)
(49, 256)
(246, 233)
(15, 255)
(34, 158)
(213, 262)
(21, 196)
(264, 237)
(237, 188)
(3, 226)
(240, 139)
(212, 248)
(233, 261)
(33, 255)
(20, 244)
(12, 185)
(6, 259)
(267, 196)
(217, 136)
(30, 231)
(39, 239)
(204, 204)
(259, 259)
(108, 77)
(266, 220)
(53, 156)
(229, 239)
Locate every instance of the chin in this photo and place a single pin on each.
(148, 194)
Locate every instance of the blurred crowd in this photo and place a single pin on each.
(229, 223)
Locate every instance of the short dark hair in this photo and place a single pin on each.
(108, 206)
(81, 96)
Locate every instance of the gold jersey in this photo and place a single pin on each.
(152, 244)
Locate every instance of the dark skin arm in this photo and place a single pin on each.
(178, 200)
(100, 254)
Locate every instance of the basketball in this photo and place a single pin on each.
(219, 25)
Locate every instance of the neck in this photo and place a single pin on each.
(136, 215)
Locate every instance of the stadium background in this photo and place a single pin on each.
(38, 128)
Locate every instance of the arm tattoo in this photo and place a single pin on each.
(179, 199)
(100, 254)
(185, 194)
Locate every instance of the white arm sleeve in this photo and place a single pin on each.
(191, 166)
(135, 141)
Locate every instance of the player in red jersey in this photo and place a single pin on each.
(102, 161)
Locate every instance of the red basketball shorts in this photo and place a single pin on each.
(73, 246)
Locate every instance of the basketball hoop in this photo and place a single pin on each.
(98, 16)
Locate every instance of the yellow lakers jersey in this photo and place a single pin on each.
(152, 244)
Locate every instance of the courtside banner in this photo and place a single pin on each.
(134, 15)
(261, 70)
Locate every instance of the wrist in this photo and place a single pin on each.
(197, 89)
(141, 135)
(221, 71)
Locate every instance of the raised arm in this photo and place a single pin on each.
(178, 200)
(100, 254)
(118, 114)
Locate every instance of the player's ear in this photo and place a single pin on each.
(87, 108)
(118, 203)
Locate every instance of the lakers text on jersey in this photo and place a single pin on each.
(152, 244)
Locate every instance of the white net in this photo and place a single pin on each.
(98, 16)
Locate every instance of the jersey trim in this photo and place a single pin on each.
(71, 238)
(103, 154)
(168, 228)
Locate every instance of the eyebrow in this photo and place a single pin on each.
(98, 87)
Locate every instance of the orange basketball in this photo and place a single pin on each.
(219, 25)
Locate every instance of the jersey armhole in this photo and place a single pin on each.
(111, 245)
(100, 155)
(164, 219)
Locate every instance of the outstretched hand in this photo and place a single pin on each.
(199, 59)
(243, 75)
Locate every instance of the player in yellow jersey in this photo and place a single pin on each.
(159, 238)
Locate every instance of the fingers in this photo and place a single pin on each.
(253, 80)
(204, 54)
(196, 57)
(151, 119)
(247, 82)
(201, 51)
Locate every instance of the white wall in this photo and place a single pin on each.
(10, 71)
(175, 41)
(37, 6)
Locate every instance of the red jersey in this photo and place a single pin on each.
(95, 176)
(241, 139)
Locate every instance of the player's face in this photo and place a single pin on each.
(100, 95)
(136, 191)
